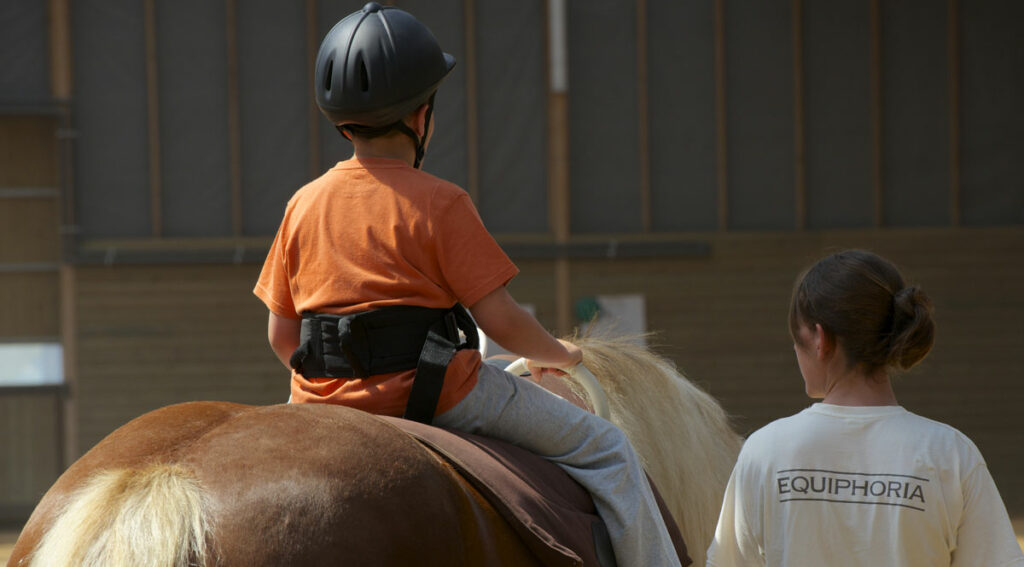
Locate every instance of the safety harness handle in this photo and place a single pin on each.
(583, 376)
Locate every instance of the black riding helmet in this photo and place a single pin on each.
(376, 66)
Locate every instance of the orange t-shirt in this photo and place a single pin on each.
(373, 232)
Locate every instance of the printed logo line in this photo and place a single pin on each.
(854, 473)
(850, 502)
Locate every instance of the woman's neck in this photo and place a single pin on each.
(852, 387)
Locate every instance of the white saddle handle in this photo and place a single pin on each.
(584, 377)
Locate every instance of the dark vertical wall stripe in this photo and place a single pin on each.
(799, 118)
(838, 120)
(333, 147)
(274, 95)
(604, 167)
(759, 107)
(992, 190)
(915, 115)
(681, 96)
(511, 80)
(111, 174)
(24, 51)
(446, 156)
(192, 65)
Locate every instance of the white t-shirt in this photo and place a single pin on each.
(862, 486)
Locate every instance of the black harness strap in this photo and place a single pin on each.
(390, 339)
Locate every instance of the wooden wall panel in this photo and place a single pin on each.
(31, 448)
(29, 437)
(29, 229)
(29, 305)
(723, 319)
(150, 336)
(535, 286)
(28, 151)
(155, 335)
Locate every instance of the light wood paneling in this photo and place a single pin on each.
(29, 305)
(28, 229)
(723, 319)
(151, 336)
(29, 437)
(28, 151)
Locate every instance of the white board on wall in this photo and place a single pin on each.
(621, 314)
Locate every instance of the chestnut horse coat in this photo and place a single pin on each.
(303, 485)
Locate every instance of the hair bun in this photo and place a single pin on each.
(906, 294)
(913, 330)
(903, 302)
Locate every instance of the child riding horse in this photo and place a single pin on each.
(373, 262)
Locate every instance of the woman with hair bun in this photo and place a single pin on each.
(856, 479)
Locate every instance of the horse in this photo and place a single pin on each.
(681, 433)
(217, 483)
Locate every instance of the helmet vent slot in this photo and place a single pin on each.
(364, 77)
(328, 75)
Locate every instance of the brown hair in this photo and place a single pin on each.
(861, 299)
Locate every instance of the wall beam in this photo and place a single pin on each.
(62, 89)
(153, 119)
(234, 117)
(643, 115)
(559, 212)
(875, 104)
(472, 110)
(953, 62)
(61, 81)
(799, 120)
(312, 47)
(721, 140)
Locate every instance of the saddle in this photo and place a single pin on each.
(552, 513)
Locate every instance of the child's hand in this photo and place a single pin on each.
(573, 356)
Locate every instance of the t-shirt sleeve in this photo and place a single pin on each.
(471, 261)
(273, 286)
(738, 533)
(985, 536)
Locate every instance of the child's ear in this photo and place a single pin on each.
(419, 120)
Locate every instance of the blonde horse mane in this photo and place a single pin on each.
(151, 517)
(681, 433)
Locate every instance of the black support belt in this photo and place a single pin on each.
(390, 339)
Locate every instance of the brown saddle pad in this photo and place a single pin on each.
(550, 511)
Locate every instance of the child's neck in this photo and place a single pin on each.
(390, 147)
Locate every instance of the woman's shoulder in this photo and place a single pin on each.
(781, 431)
(939, 433)
(895, 424)
(824, 419)
(783, 425)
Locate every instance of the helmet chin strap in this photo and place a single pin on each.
(348, 130)
(420, 141)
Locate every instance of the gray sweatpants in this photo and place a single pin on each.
(592, 450)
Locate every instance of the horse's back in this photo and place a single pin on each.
(302, 485)
(310, 485)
